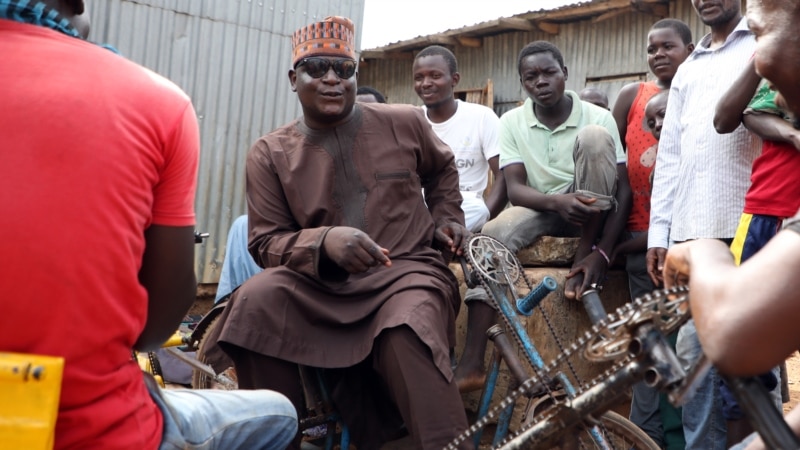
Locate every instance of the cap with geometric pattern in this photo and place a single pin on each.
(334, 36)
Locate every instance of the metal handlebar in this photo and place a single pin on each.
(526, 304)
(762, 414)
(753, 397)
(594, 306)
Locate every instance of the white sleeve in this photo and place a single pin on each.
(666, 172)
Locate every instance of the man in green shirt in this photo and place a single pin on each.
(565, 170)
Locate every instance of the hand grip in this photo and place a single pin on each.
(526, 304)
(594, 306)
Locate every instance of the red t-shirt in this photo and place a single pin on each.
(642, 148)
(773, 189)
(94, 150)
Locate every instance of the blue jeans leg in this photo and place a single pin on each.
(645, 403)
(226, 420)
(703, 424)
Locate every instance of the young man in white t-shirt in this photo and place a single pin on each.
(472, 132)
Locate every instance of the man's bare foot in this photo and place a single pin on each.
(470, 380)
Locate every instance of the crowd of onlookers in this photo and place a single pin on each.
(351, 207)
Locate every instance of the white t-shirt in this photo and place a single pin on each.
(473, 133)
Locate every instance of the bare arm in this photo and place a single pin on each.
(593, 264)
(772, 128)
(732, 104)
(498, 197)
(167, 274)
(622, 107)
(636, 244)
(573, 208)
(746, 316)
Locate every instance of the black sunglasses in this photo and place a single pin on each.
(317, 67)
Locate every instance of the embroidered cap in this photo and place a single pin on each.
(333, 36)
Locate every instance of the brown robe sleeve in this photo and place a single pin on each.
(275, 237)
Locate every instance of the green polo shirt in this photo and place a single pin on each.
(547, 154)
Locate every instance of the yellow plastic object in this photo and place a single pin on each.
(175, 340)
(30, 386)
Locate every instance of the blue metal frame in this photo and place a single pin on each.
(510, 312)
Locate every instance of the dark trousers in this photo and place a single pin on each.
(429, 405)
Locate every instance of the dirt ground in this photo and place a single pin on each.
(793, 369)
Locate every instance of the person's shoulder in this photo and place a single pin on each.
(587, 108)
(595, 114)
(137, 80)
(164, 85)
(627, 96)
(277, 139)
(631, 89)
(288, 130)
(392, 112)
(470, 106)
(477, 110)
(516, 113)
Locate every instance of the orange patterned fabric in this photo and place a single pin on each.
(642, 148)
(334, 36)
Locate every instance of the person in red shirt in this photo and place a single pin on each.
(97, 180)
(746, 315)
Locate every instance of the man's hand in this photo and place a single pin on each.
(678, 265)
(354, 251)
(655, 264)
(452, 236)
(590, 270)
(575, 208)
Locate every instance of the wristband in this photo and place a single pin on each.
(600, 250)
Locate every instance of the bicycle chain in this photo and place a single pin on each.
(540, 377)
(649, 307)
(519, 272)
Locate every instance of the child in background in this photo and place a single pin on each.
(669, 43)
(654, 112)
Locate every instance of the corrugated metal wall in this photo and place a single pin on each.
(612, 51)
(231, 57)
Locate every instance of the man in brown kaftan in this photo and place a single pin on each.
(352, 281)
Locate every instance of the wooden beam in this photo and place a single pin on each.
(579, 11)
(441, 40)
(379, 54)
(516, 24)
(611, 14)
(548, 27)
(658, 9)
(467, 41)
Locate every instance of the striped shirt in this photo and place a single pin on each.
(701, 177)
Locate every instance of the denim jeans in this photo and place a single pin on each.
(224, 420)
(703, 424)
